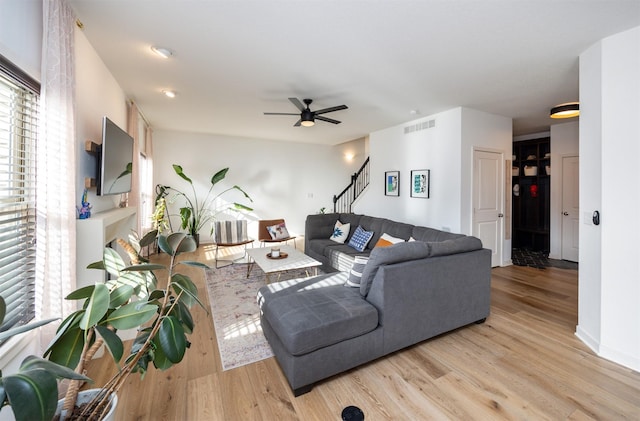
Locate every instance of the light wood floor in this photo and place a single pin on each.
(523, 363)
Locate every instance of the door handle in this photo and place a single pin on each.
(500, 215)
(565, 213)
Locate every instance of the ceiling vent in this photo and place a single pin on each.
(423, 125)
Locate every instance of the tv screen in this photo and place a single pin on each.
(116, 158)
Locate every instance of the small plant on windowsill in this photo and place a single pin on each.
(132, 300)
(197, 213)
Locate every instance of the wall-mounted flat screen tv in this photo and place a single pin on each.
(116, 159)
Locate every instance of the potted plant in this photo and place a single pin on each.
(131, 300)
(32, 392)
(196, 213)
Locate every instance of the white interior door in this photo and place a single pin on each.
(570, 208)
(488, 199)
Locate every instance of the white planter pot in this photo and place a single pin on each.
(84, 397)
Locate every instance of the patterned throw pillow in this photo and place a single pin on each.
(355, 275)
(278, 232)
(386, 240)
(340, 232)
(360, 239)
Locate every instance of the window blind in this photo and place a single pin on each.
(18, 136)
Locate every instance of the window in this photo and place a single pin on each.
(19, 97)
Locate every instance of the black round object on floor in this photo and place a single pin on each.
(352, 413)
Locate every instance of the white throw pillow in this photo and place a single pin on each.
(340, 232)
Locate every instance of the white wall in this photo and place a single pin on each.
(21, 34)
(447, 150)
(609, 295)
(285, 180)
(98, 94)
(564, 142)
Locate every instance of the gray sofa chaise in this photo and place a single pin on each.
(409, 292)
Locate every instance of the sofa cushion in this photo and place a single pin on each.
(458, 245)
(387, 255)
(371, 223)
(355, 274)
(360, 238)
(340, 232)
(318, 318)
(397, 229)
(433, 235)
(341, 257)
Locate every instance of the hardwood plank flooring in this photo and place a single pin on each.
(524, 362)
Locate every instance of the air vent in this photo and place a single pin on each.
(423, 125)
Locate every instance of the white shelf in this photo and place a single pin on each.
(93, 234)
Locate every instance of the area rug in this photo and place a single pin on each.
(236, 315)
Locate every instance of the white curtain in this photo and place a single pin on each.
(56, 196)
(142, 194)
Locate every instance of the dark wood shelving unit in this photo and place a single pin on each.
(531, 208)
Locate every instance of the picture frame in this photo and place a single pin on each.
(392, 183)
(420, 183)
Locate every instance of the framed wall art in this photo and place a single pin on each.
(420, 183)
(392, 183)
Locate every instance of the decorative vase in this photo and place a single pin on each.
(86, 396)
(196, 238)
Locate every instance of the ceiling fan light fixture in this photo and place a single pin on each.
(162, 51)
(306, 118)
(568, 110)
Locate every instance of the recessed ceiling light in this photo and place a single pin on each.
(170, 94)
(162, 52)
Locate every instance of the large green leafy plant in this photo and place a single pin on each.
(198, 212)
(132, 299)
(32, 392)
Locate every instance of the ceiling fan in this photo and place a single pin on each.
(308, 117)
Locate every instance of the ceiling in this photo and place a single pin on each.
(389, 61)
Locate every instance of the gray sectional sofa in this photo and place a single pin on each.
(408, 292)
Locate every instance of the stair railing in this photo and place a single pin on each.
(359, 181)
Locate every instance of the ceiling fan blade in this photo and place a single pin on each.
(328, 120)
(297, 123)
(297, 103)
(281, 113)
(330, 109)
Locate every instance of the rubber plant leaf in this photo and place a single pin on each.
(32, 362)
(120, 295)
(96, 265)
(172, 339)
(131, 315)
(21, 329)
(194, 263)
(148, 238)
(164, 245)
(113, 342)
(144, 267)
(181, 311)
(113, 263)
(183, 284)
(33, 394)
(67, 349)
(97, 307)
(81, 293)
(160, 360)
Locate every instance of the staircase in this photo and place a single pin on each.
(359, 181)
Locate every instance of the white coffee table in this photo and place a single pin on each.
(295, 260)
